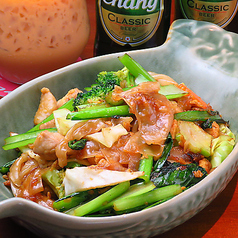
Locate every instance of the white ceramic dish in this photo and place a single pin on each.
(201, 55)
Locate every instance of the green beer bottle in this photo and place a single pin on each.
(220, 12)
(124, 25)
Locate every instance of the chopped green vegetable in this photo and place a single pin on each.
(102, 200)
(140, 79)
(122, 110)
(91, 106)
(171, 91)
(77, 144)
(135, 68)
(159, 202)
(146, 166)
(175, 173)
(207, 124)
(54, 178)
(71, 201)
(72, 164)
(199, 116)
(129, 204)
(134, 190)
(167, 148)
(20, 140)
(6, 167)
(26, 136)
(19, 144)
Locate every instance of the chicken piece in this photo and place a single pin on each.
(71, 94)
(46, 143)
(47, 125)
(214, 131)
(47, 105)
(206, 164)
(198, 174)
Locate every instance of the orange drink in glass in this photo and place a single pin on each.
(39, 36)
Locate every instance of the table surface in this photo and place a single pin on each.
(219, 219)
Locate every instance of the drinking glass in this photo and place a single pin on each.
(39, 36)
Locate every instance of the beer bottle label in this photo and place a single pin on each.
(130, 22)
(220, 12)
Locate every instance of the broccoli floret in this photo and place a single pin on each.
(108, 79)
(122, 78)
(105, 83)
(96, 95)
(54, 178)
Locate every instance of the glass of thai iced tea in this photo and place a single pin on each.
(39, 36)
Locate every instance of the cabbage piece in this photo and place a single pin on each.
(85, 178)
(109, 135)
(62, 124)
(222, 146)
(196, 139)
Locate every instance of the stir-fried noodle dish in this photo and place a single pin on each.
(132, 140)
